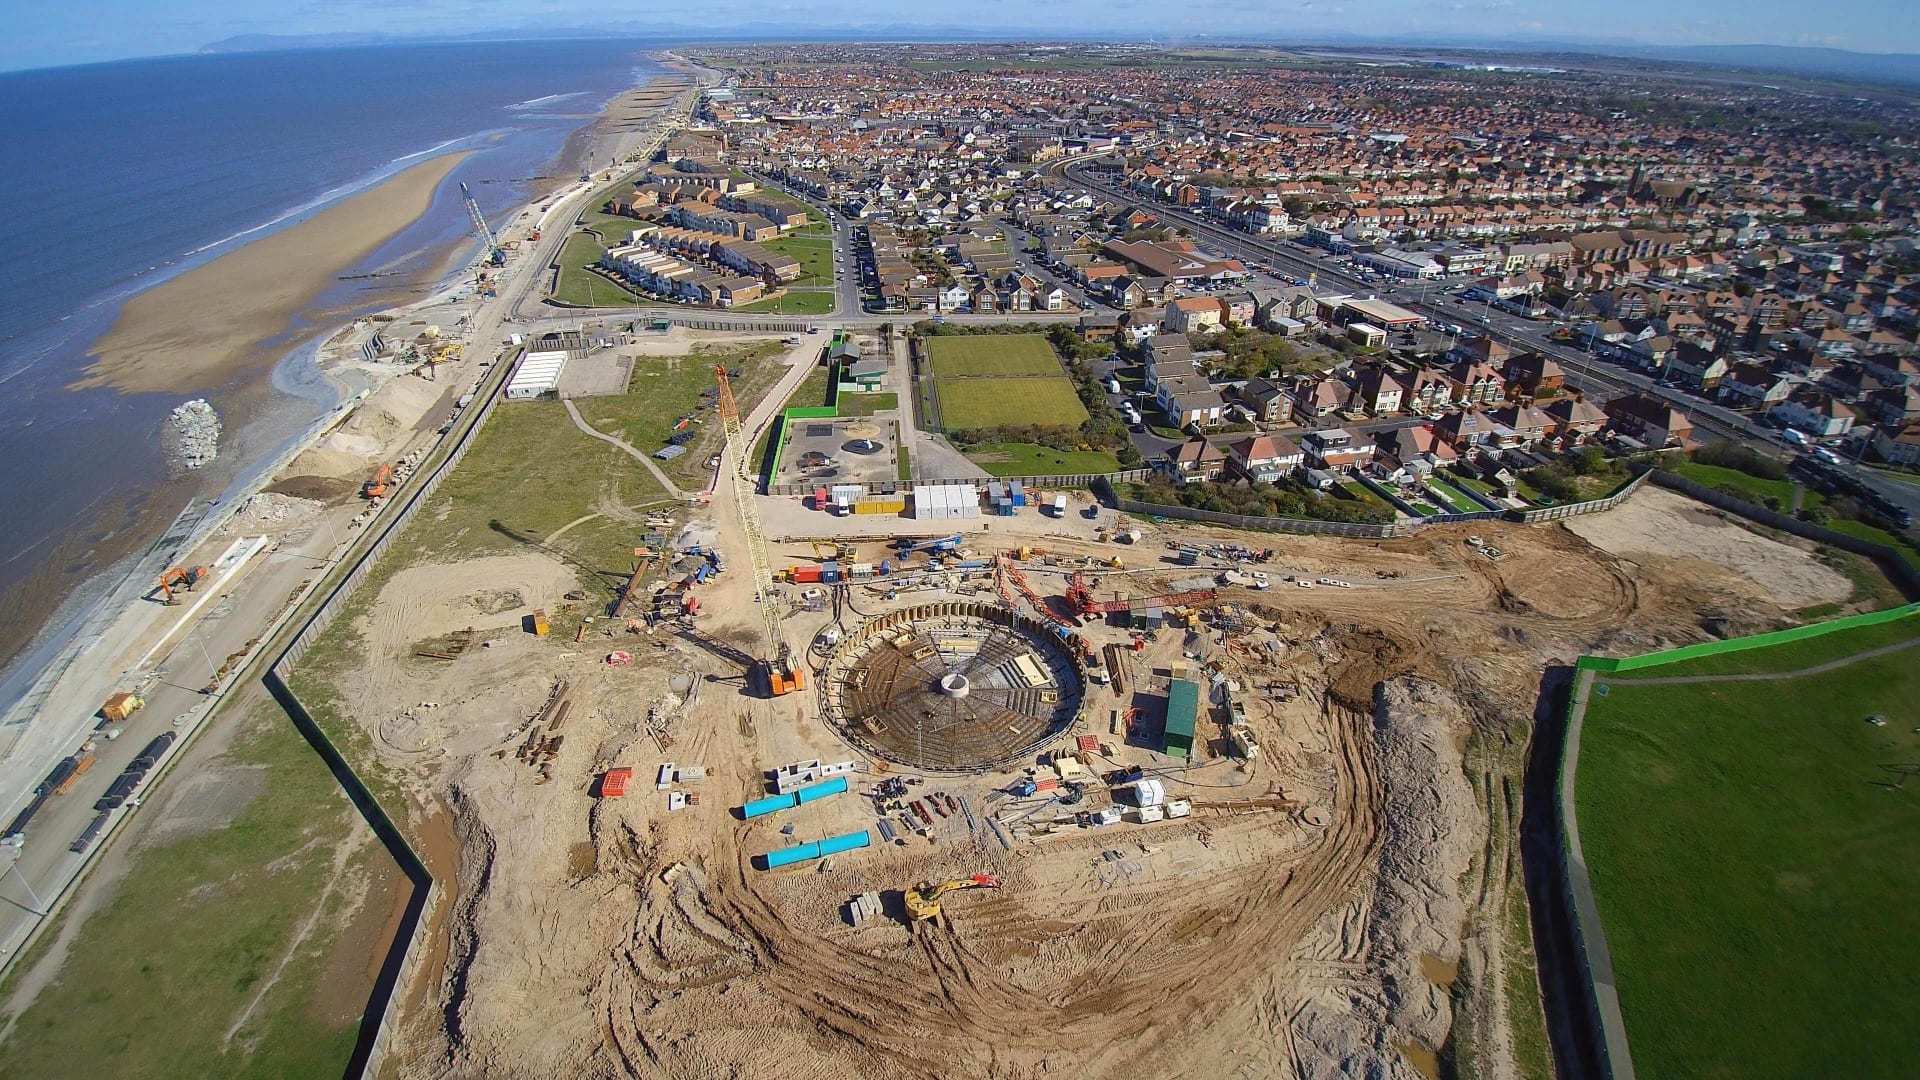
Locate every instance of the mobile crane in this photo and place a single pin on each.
(777, 673)
(496, 255)
(923, 900)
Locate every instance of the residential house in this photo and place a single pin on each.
(1265, 458)
(1269, 402)
(1195, 460)
(1821, 416)
(1649, 420)
(1753, 386)
(1572, 420)
(1381, 391)
(1334, 450)
(1194, 314)
(1533, 375)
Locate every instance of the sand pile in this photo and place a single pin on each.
(390, 414)
(328, 463)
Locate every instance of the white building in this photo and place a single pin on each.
(537, 375)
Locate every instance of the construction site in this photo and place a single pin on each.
(1015, 795)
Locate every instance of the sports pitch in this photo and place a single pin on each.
(1753, 861)
(992, 354)
(984, 403)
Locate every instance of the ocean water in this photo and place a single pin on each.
(121, 175)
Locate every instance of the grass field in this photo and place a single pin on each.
(982, 403)
(814, 252)
(1754, 869)
(1028, 459)
(794, 302)
(580, 285)
(161, 981)
(1754, 488)
(662, 388)
(869, 403)
(992, 354)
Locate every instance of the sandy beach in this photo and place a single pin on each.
(190, 333)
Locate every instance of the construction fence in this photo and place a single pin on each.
(1056, 481)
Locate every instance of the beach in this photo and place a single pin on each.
(198, 330)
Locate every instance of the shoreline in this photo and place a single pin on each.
(78, 611)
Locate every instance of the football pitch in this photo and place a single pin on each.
(985, 403)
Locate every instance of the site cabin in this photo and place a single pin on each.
(1183, 710)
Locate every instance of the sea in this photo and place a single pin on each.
(124, 174)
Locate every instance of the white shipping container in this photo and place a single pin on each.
(1179, 808)
(1150, 814)
(1148, 793)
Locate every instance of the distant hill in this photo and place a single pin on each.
(1795, 59)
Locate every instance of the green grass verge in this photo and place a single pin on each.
(814, 253)
(905, 453)
(156, 981)
(869, 403)
(1753, 869)
(1753, 488)
(1029, 459)
(1899, 541)
(578, 284)
(793, 302)
(991, 354)
(985, 403)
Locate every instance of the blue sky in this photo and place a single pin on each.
(45, 33)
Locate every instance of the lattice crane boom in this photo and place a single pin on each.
(782, 675)
(481, 229)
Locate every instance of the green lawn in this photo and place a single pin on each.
(160, 981)
(793, 302)
(853, 404)
(580, 285)
(1028, 459)
(992, 354)
(1815, 650)
(815, 255)
(1459, 502)
(982, 403)
(1755, 872)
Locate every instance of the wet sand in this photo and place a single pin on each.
(195, 331)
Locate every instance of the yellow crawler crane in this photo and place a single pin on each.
(923, 900)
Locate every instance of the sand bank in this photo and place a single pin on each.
(190, 332)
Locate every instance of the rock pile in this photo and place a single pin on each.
(271, 508)
(194, 433)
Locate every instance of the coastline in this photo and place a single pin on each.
(196, 330)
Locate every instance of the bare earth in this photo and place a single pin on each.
(1335, 907)
(1656, 524)
(190, 332)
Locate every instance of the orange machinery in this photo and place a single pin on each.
(379, 483)
(185, 577)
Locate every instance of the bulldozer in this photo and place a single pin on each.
(923, 900)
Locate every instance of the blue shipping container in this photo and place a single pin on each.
(829, 574)
(820, 790)
(769, 805)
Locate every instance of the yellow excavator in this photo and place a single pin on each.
(923, 900)
(831, 552)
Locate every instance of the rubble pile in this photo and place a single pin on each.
(193, 432)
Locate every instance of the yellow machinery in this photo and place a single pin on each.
(827, 551)
(778, 672)
(923, 900)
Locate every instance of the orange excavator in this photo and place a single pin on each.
(185, 577)
(379, 483)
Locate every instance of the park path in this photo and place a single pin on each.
(588, 429)
(1760, 676)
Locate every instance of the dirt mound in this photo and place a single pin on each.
(324, 489)
(390, 413)
(334, 464)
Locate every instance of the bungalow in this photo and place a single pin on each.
(1265, 458)
(1195, 460)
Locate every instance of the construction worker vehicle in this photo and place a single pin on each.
(923, 900)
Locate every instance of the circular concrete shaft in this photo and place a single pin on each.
(954, 685)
